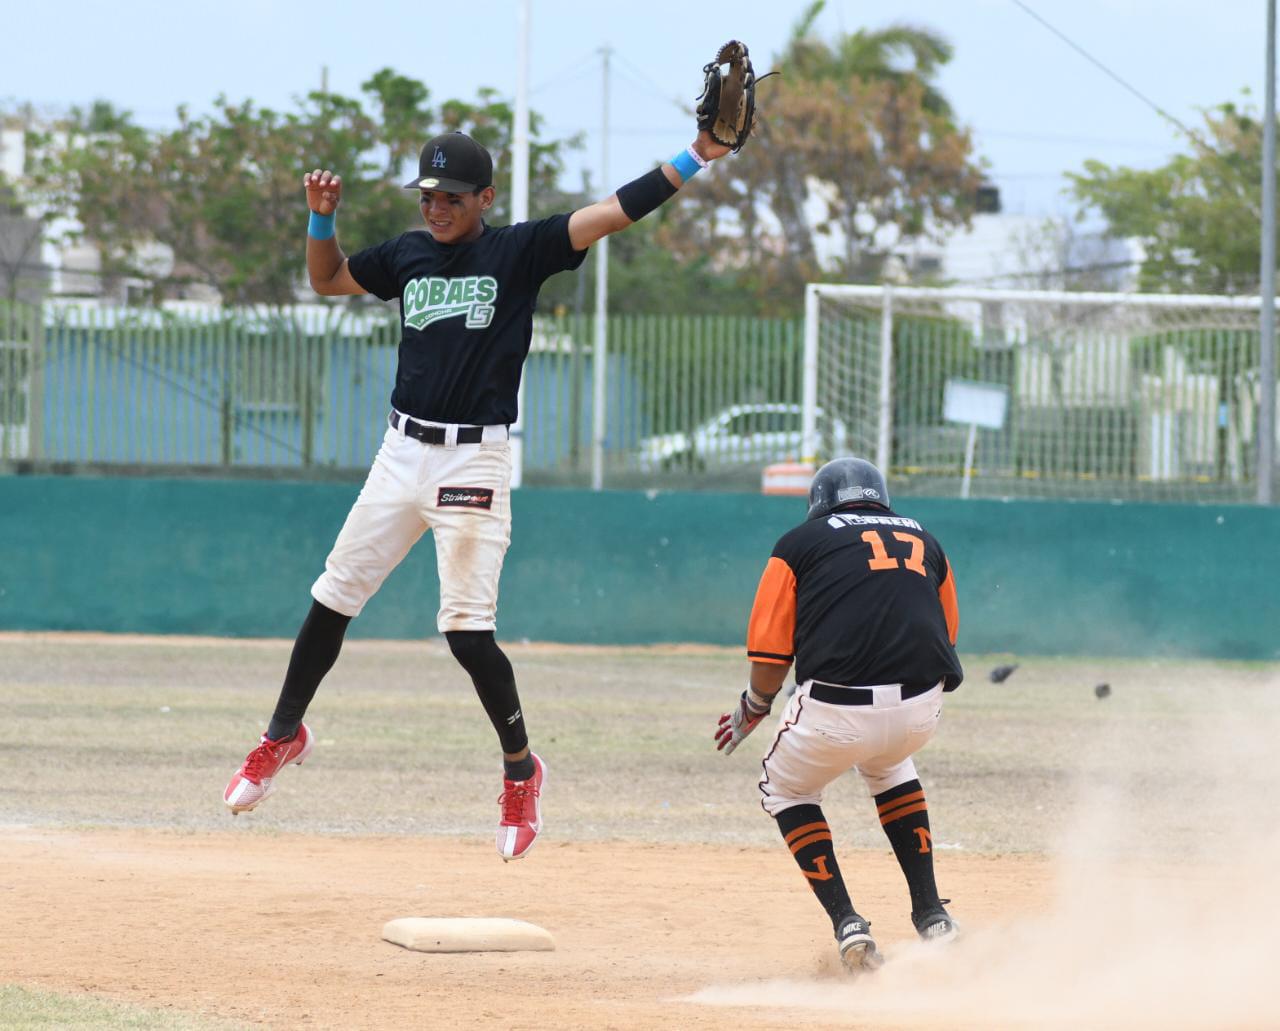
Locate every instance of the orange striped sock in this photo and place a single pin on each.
(904, 815)
(807, 834)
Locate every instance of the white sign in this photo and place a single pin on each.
(975, 404)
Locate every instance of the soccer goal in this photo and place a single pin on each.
(1038, 394)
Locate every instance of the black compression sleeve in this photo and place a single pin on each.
(640, 196)
(314, 653)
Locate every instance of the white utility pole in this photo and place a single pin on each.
(1267, 323)
(600, 352)
(520, 201)
(520, 135)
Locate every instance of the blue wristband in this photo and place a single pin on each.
(686, 164)
(321, 226)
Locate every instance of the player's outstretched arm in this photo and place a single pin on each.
(641, 196)
(326, 264)
(725, 115)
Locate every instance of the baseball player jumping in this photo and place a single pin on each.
(864, 603)
(467, 293)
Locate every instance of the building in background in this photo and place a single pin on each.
(997, 251)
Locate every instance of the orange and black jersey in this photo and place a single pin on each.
(860, 597)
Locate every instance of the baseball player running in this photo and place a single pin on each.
(864, 603)
(467, 293)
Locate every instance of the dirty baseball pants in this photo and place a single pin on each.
(459, 490)
(827, 730)
(817, 741)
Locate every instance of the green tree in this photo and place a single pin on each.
(22, 274)
(855, 143)
(1198, 217)
(89, 167)
(224, 191)
(898, 53)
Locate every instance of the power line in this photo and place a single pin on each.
(1065, 270)
(574, 71)
(1051, 137)
(648, 83)
(661, 130)
(1113, 75)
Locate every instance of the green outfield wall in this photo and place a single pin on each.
(237, 558)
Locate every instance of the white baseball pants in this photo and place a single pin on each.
(818, 741)
(462, 492)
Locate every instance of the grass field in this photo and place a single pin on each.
(24, 1008)
(1141, 811)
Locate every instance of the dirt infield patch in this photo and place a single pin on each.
(1111, 861)
(284, 930)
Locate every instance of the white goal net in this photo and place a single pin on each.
(1124, 396)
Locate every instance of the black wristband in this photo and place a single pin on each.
(640, 196)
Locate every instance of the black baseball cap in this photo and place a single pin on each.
(453, 162)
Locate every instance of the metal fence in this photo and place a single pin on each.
(306, 391)
(141, 387)
(1106, 396)
(1093, 395)
(689, 400)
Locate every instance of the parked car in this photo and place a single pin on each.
(740, 435)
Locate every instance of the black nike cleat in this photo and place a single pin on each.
(935, 924)
(858, 950)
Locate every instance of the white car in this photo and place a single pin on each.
(747, 434)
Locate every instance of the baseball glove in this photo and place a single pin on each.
(727, 106)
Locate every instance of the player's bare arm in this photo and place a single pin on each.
(326, 264)
(635, 200)
(767, 678)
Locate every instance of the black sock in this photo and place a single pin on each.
(905, 819)
(314, 653)
(807, 834)
(518, 769)
(495, 683)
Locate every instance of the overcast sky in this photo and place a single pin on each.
(1036, 106)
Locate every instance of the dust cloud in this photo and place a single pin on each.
(1165, 904)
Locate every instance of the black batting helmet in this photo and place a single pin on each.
(843, 481)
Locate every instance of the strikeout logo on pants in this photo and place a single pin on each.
(432, 298)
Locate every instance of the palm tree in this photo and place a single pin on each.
(898, 53)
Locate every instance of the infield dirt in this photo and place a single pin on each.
(1110, 861)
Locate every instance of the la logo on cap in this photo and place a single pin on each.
(438, 159)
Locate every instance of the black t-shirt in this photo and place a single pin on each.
(861, 597)
(466, 313)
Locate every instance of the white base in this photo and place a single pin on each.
(467, 934)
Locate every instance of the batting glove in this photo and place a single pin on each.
(746, 716)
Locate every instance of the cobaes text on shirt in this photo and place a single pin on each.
(431, 298)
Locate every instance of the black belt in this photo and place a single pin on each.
(860, 695)
(434, 434)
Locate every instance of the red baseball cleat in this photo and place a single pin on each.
(255, 779)
(521, 812)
